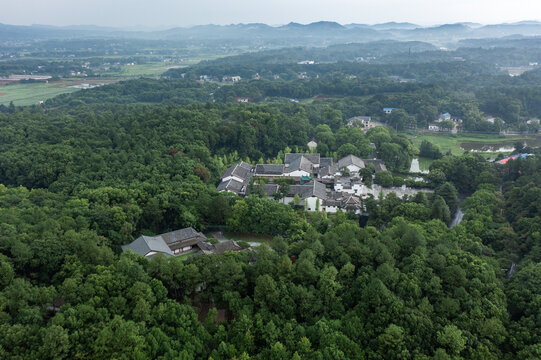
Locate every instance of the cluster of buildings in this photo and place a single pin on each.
(437, 125)
(179, 242)
(320, 183)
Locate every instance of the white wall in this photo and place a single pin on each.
(297, 173)
(233, 177)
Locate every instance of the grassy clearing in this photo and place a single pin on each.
(248, 237)
(29, 94)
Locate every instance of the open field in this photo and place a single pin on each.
(29, 94)
(449, 142)
(32, 93)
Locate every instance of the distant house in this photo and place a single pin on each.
(359, 121)
(171, 243)
(242, 99)
(387, 111)
(312, 145)
(444, 117)
(352, 163)
(434, 127)
(231, 78)
(490, 119)
(533, 121)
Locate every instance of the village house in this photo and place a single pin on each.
(359, 121)
(179, 242)
(312, 195)
(148, 246)
(171, 243)
(444, 117)
(235, 178)
(434, 127)
(269, 170)
(387, 111)
(352, 163)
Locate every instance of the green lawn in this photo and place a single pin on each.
(29, 94)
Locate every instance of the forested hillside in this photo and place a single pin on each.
(79, 181)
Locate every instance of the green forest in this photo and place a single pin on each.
(88, 172)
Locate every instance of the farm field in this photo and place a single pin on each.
(30, 94)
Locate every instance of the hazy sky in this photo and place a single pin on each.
(165, 13)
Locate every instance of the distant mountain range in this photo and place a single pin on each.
(322, 31)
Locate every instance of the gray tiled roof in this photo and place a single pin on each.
(300, 163)
(269, 169)
(314, 188)
(241, 170)
(231, 185)
(323, 162)
(220, 248)
(145, 244)
(268, 189)
(181, 235)
(290, 158)
(328, 170)
(350, 160)
(225, 246)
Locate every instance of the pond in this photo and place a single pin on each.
(499, 147)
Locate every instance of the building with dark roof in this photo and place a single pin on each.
(240, 172)
(219, 248)
(233, 186)
(148, 246)
(298, 165)
(171, 243)
(266, 189)
(269, 170)
(352, 162)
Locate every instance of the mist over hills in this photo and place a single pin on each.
(325, 32)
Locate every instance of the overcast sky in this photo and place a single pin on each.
(166, 13)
